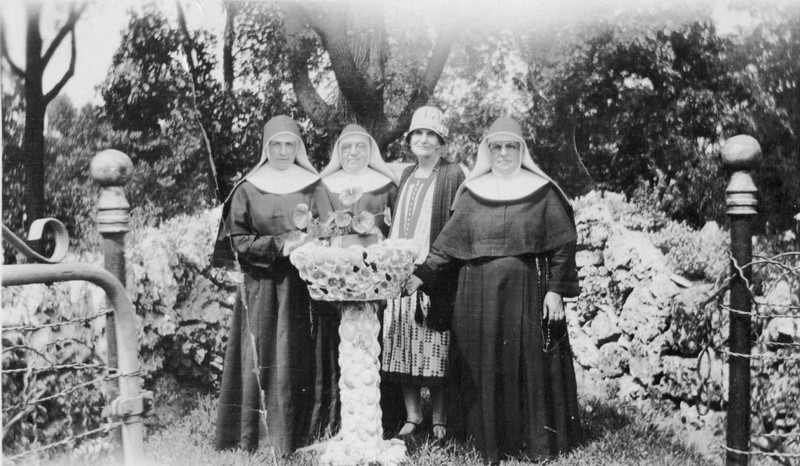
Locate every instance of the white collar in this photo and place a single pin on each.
(266, 178)
(515, 186)
(367, 179)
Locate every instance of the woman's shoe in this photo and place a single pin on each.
(405, 431)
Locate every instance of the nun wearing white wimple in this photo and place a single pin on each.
(356, 162)
(267, 379)
(511, 240)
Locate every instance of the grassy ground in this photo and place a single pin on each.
(616, 435)
(182, 430)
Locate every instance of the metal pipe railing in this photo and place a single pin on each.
(131, 405)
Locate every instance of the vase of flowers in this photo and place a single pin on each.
(345, 258)
(344, 227)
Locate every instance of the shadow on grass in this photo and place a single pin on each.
(173, 401)
(627, 435)
(598, 419)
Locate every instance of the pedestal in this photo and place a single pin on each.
(361, 439)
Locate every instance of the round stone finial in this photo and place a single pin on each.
(111, 167)
(741, 152)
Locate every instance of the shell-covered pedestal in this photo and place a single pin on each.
(361, 439)
(355, 279)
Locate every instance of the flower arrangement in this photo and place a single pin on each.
(359, 272)
(355, 273)
(341, 222)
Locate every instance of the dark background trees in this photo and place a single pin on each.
(634, 104)
(37, 58)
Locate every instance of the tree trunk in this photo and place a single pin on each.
(231, 10)
(36, 101)
(356, 45)
(35, 106)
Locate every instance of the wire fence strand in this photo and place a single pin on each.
(33, 368)
(775, 393)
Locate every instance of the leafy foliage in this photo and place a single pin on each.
(182, 303)
(768, 60)
(183, 308)
(648, 106)
(13, 168)
(28, 424)
(691, 254)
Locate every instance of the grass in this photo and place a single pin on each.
(182, 431)
(616, 434)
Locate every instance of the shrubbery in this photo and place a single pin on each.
(182, 303)
(692, 254)
(182, 308)
(64, 412)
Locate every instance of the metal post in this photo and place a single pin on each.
(133, 403)
(112, 169)
(740, 154)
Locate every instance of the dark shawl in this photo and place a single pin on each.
(449, 177)
(541, 223)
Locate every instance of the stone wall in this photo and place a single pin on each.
(637, 328)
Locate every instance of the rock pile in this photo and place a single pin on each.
(637, 326)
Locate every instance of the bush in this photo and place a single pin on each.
(690, 253)
(182, 307)
(182, 303)
(63, 413)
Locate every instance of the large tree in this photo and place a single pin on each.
(277, 58)
(355, 40)
(37, 58)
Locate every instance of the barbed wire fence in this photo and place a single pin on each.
(59, 383)
(774, 358)
(69, 384)
(752, 332)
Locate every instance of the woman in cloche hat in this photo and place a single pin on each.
(416, 327)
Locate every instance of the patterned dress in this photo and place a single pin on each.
(413, 353)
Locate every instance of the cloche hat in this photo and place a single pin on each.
(430, 118)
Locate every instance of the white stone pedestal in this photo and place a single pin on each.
(361, 439)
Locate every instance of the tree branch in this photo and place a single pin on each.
(573, 148)
(188, 48)
(69, 26)
(231, 10)
(16, 69)
(331, 27)
(433, 71)
(186, 41)
(308, 97)
(70, 71)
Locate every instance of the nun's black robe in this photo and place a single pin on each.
(521, 397)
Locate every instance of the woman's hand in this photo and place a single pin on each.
(553, 307)
(295, 239)
(412, 284)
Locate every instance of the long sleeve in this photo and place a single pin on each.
(436, 268)
(251, 248)
(563, 277)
